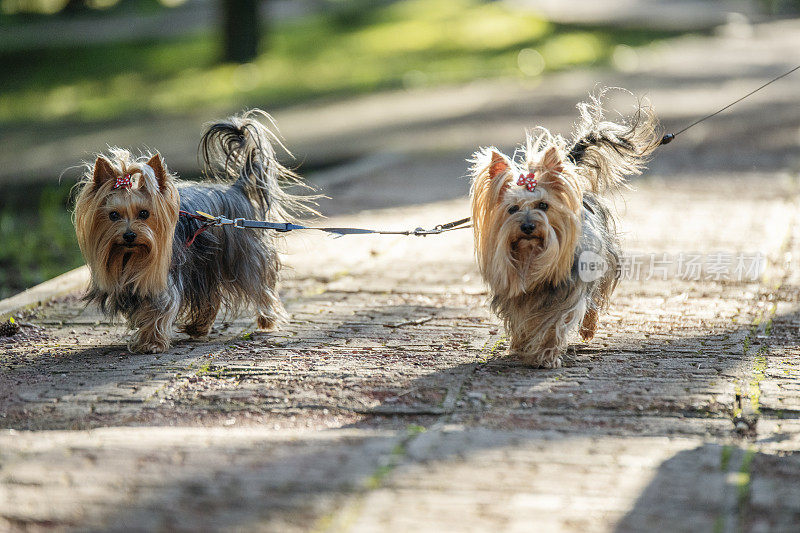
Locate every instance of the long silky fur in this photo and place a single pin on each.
(140, 289)
(539, 321)
(605, 152)
(228, 269)
(240, 148)
(94, 236)
(541, 298)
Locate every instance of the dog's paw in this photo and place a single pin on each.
(537, 360)
(148, 345)
(267, 323)
(195, 331)
(555, 363)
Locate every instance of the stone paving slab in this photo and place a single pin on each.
(533, 480)
(221, 478)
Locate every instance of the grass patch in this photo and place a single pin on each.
(404, 44)
(489, 352)
(725, 458)
(758, 375)
(743, 480)
(399, 451)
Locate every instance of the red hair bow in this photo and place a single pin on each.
(123, 181)
(528, 180)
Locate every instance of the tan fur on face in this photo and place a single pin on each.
(142, 268)
(509, 260)
(527, 241)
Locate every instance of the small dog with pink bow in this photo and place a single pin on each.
(155, 267)
(545, 240)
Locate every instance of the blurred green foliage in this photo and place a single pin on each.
(407, 43)
(37, 242)
(36, 8)
(358, 47)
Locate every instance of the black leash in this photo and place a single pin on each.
(666, 139)
(209, 221)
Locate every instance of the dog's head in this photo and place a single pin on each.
(125, 217)
(526, 220)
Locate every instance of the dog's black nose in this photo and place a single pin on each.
(527, 228)
(131, 236)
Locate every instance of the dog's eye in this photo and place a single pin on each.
(113, 215)
(513, 209)
(543, 206)
(143, 214)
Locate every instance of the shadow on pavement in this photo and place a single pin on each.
(243, 480)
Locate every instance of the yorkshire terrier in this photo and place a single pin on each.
(154, 265)
(545, 240)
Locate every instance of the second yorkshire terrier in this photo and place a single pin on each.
(129, 228)
(546, 243)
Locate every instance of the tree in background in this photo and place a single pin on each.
(241, 24)
(241, 29)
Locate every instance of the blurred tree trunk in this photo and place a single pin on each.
(75, 7)
(241, 27)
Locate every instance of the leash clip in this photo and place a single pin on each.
(422, 232)
(211, 220)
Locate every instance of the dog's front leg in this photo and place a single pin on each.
(152, 322)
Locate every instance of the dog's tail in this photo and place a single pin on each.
(241, 148)
(606, 152)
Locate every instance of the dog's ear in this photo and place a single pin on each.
(160, 172)
(552, 162)
(498, 165)
(103, 171)
(498, 175)
(551, 174)
(491, 177)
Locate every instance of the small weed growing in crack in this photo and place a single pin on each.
(725, 458)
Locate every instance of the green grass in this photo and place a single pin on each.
(404, 44)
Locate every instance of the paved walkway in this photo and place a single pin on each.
(386, 404)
